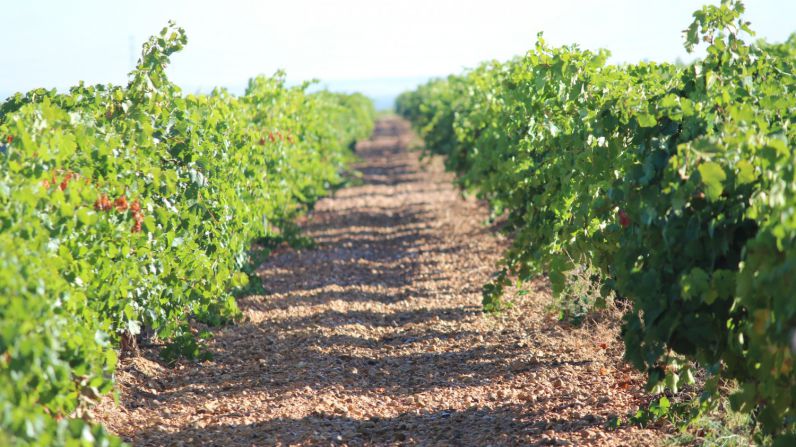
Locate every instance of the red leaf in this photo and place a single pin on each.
(624, 219)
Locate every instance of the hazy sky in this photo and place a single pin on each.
(391, 45)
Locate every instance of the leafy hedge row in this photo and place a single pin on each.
(678, 183)
(131, 208)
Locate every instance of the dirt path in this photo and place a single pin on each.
(375, 336)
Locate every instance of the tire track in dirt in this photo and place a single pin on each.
(375, 337)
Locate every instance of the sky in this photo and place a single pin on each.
(379, 48)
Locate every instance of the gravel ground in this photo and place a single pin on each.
(375, 337)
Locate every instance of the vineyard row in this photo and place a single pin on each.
(127, 212)
(673, 185)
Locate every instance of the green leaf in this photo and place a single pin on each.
(68, 210)
(646, 120)
(744, 399)
(785, 440)
(149, 224)
(86, 216)
(713, 176)
(746, 172)
(694, 284)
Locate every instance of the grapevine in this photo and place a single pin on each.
(676, 182)
(131, 208)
